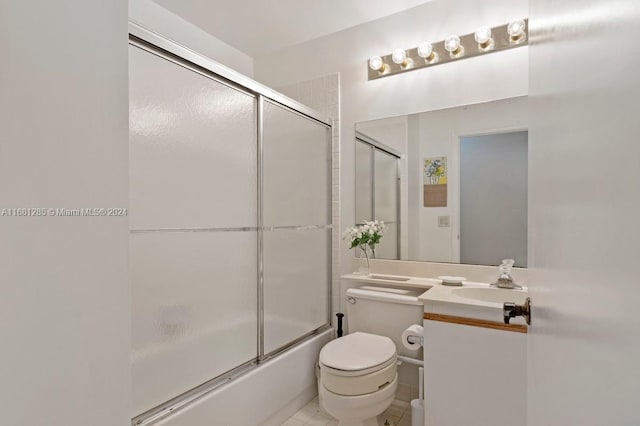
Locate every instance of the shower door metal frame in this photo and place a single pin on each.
(160, 46)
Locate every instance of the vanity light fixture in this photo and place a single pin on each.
(453, 46)
(483, 37)
(485, 40)
(377, 64)
(425, 51)
(399, 57)
(516, 31)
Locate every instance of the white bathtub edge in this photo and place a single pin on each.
(265, 396)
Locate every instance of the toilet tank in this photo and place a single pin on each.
(386, 311)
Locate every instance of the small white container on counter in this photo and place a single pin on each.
(453, 281)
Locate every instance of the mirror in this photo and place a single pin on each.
(451, 185)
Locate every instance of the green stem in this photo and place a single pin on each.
(366, 255)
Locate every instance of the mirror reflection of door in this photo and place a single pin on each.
(493, 198)
(377, 192)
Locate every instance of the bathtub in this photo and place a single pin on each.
(267, 395)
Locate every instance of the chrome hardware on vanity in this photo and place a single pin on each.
(504, 279)
(513, 310)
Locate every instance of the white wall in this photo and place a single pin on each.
(64, 304)
(160, 20)
(496, 76)
(390, 131)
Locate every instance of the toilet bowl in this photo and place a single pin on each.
(358, 378)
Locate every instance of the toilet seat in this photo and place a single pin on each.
(358, 353)
(358, 364)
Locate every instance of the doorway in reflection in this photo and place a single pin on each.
(493, 198)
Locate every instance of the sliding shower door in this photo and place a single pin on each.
(387, 202)
(364, 182)
(297, 225)
(377, 192)
(193, 199)
(230, 243)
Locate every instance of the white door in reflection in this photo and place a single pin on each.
(493, 198)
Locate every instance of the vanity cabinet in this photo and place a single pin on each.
(474, 375)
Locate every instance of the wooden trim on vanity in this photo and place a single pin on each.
(517, 328)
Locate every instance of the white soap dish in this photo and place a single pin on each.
(453, 281)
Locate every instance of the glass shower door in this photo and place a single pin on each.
(193, 198)
(377, 195)
(297, 225)
(364, 182)
(386, 202)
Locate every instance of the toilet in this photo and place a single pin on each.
(358, 374)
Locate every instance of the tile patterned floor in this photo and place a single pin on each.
(398, 414)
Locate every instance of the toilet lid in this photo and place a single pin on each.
(357, 351)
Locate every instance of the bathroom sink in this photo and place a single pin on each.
(491, 294)
(479, 301)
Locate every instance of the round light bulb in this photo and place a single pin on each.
(452, 43)
(483, 35)
(399, 56)
(375, 63)
(515, 29)
(425, 50)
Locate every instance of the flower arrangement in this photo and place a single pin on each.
(365, 236)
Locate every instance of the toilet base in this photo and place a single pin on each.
(361, 410)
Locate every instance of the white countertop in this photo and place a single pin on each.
(397, 280)
(485, 303)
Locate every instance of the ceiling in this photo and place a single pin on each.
(257, 27)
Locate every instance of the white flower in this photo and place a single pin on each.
(369, 230)
(348, 233)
